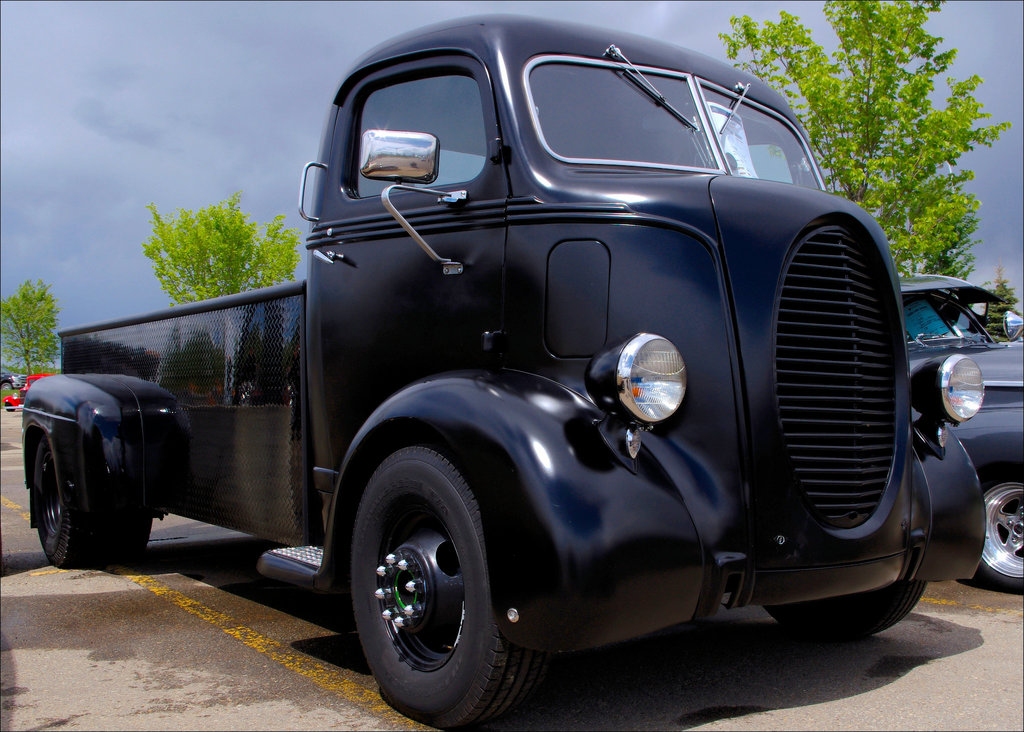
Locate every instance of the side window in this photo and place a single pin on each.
(447, 107)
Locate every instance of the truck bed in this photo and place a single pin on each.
(234, 364)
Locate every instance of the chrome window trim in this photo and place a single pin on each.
(748, 102)
(698, 102)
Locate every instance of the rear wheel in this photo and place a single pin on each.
(63, 533)
(421, 597)
(1002, 559)
(74, 538)
(849, 616)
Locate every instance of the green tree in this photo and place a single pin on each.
(28, 326)
(996, 310)
(868, 110)
(218, 251)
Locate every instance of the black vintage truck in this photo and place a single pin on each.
(584, 351)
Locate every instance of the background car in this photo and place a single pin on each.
(11, 381)
(14, 401)
(941, 320)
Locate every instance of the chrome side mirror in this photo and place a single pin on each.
(400, 156)
(1013, 325)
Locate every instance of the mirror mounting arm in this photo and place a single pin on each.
(449, 198)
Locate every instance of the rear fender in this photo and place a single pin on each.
(94, 424)
(587, 548)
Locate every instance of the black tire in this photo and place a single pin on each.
(445, 663)
(850, 616)
(4, 385)
(74, 538)
(1002, 559)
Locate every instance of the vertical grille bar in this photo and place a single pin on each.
(834, 376)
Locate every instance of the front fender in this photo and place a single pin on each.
(949, 513)
(589, 549)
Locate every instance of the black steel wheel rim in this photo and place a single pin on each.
(52, 509)
(420, 589)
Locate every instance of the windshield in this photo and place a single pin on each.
(932, 319)
(757, 144)
(593, 112)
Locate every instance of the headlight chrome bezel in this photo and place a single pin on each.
(956, 379)
(647, 394)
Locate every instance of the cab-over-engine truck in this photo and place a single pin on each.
(584, 351)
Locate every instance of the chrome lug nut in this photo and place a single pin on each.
(399, 622)
(411, 586)
(409, 611)
(382, 570)
(379, 594)
(403, 565)
(390, 559)
(386, 615)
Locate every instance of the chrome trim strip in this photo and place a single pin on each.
(747, 101)
(47, 414)
(1009, 384)
(582, 61)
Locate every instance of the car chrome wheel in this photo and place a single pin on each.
(1004, 529)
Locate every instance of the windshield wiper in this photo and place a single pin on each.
(633, 74)
(735, 106)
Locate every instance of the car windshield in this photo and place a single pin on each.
(593, 111)
(934, 319)
(757, 144)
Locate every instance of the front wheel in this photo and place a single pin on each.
(421, 597)
(850, 616)
(1002, 559)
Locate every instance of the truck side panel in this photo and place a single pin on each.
(235, 371)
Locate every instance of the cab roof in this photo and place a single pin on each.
(514, 39)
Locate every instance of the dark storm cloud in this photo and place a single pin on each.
(107, 107)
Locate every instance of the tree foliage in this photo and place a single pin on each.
(218, 251)
(996, 310)
(28, 326)
(869, 112)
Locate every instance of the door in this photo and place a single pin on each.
(384, 314)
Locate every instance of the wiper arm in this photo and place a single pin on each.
(634, 75)
(735, 106)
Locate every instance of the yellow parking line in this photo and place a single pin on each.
(321, 674)
(7, 503)
(954, 603)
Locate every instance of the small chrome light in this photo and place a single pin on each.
(650, 378)
(633, 442)
(961, 386)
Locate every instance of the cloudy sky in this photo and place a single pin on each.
(106, 107)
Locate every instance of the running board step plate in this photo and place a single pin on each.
(297, 565)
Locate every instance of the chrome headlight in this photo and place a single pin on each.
(643, 379)
(650, 378)
(961, 387)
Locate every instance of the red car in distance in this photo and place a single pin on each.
(14, 402)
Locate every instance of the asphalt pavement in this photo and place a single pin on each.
(192, 637)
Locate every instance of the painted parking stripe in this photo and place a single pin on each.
(954, 603)
(319, 673)
(7, 503)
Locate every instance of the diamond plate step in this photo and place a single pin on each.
(297, 565)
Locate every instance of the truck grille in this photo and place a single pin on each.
(834, 376)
